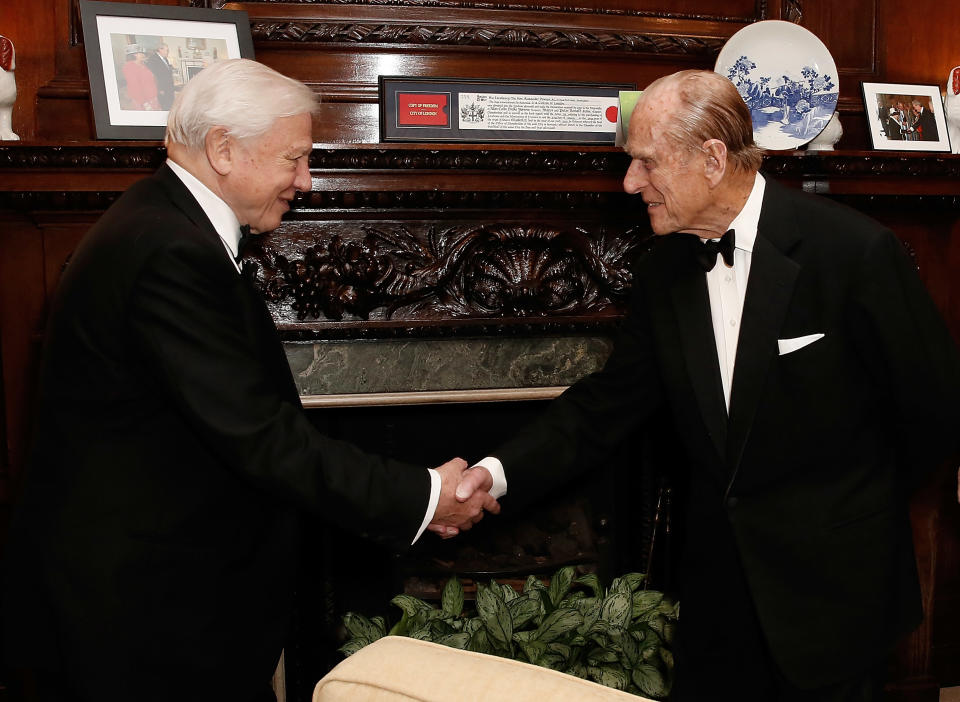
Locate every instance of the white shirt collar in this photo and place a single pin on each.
(222, 218)
(747, 221)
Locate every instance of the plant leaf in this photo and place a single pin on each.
(423, 633)
(471, 625)
(560, 585)
(451, 600)
(633, 580)
(458, 640)
(480, 642)
(612, 676)
(533, 583)
(441, 628)
(592, 581)
(358, 626)
(523, 610)
(558, 623)
(380, 624)
(600, 655)
(401, 627)
(649, 680)
(554, 661)
(669, 631)
(533, 650)
(409, 604)
(630, 651)
(508, 593)
(590, 609)
(562, 651)
(667, 657)
(646, 601)
(495, 615)
(616, 609)
(658, 623)
(669, 609)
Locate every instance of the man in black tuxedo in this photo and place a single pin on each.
(812, 383)
(159, 64)
(925, 124)
(155, 545)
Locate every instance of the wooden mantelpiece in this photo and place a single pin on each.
(112, 166)
(561, 207)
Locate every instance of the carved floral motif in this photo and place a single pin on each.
(320, 32)
(482, 5)
(461, 272)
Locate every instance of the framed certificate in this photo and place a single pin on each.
(468, 110)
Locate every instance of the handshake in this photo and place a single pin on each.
(464, 496)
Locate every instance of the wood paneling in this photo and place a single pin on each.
(920, 41)
(28, 24)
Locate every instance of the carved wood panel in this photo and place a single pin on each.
(402, 272)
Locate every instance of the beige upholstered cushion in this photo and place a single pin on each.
(400, 669)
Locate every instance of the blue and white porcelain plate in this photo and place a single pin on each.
(786, 76)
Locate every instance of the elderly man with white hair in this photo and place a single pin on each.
(154, 548)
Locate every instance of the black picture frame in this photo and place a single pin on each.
(112, 31)
(474, 110)
(894, 129)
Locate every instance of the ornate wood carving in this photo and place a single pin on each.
(86, 157)
(486, 271)
(862, 165)
(92, 158)
(762, 10)
(509, 37)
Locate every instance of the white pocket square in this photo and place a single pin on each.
(790, 345)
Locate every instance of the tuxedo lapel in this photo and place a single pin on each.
(187, 203)
(691, 304)
(769, 291)
(256, 315)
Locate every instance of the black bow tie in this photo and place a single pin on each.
(245, 237)
(707, 252)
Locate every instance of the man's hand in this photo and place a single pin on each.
(477, 478)
(459, 509)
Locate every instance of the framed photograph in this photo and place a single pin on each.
(905, 117)
(469, 110)
(140, 56)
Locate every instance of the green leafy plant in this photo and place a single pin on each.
(619, 637)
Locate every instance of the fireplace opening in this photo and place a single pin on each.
(605, 522)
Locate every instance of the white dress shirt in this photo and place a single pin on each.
(228, 228)
(727, 287)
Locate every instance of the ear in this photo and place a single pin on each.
(220, 149)
(715, 165)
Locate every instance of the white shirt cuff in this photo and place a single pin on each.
(495, 468)
(431, 503)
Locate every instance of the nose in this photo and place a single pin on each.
(636, 177)
(303, 181)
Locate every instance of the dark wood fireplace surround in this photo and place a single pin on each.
(483, 277)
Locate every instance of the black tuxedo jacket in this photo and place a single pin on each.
(163, 73)
(154, 548)
(801, 492)
(927, 124)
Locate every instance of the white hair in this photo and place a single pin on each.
(242, 95)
